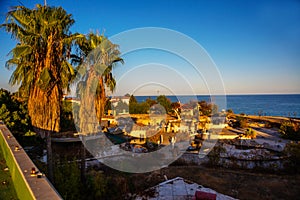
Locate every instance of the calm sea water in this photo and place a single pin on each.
(276, 105)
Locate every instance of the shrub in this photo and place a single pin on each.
(96, 184)
(229, 111)
(207, 109)
(241, 122)
(250, 133)
(165, 102)
(290, 130)
(67, 179)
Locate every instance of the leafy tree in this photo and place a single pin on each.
(132, 99)
(205, 108)
(41, 61)
(150, 102)
(13, 113)
(165, 102)
(139, 108)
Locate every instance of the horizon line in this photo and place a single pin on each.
(214, 94)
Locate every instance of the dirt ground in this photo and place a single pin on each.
(240, 184)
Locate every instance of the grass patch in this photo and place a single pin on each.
(6, 185)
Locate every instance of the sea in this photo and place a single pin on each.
(287, 105)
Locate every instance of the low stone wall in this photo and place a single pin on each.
(275, 164)
(27, 186)
(195, 159)
(192, 159)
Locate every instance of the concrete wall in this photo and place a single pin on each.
(20, 165)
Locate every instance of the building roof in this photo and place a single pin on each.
(177, 188)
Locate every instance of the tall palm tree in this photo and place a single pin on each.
(100, 56)
(41, 63)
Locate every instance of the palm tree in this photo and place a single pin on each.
(41, 63)
(100, 56)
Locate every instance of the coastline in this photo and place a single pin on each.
(281, 105)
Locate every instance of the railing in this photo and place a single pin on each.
(28, 184)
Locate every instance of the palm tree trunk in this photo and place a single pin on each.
(44, 110)
(88, 122)
(100, 100)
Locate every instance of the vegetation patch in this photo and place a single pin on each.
(6, 184)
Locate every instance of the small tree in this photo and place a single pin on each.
(229, 111)
(250, 133)
(132, 99)
(150, 102)
(204, 108)
(165, 102)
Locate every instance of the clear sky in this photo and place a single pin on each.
(254, 44)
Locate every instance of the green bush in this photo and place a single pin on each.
(250, 133)
(96, 184)
(7, 187)
(165, 102)
(290, 130)
(13, 112)
(229, 111)
(68, 180)
(139, 108)
(241, 122)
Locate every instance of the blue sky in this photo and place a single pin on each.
(254, 44)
